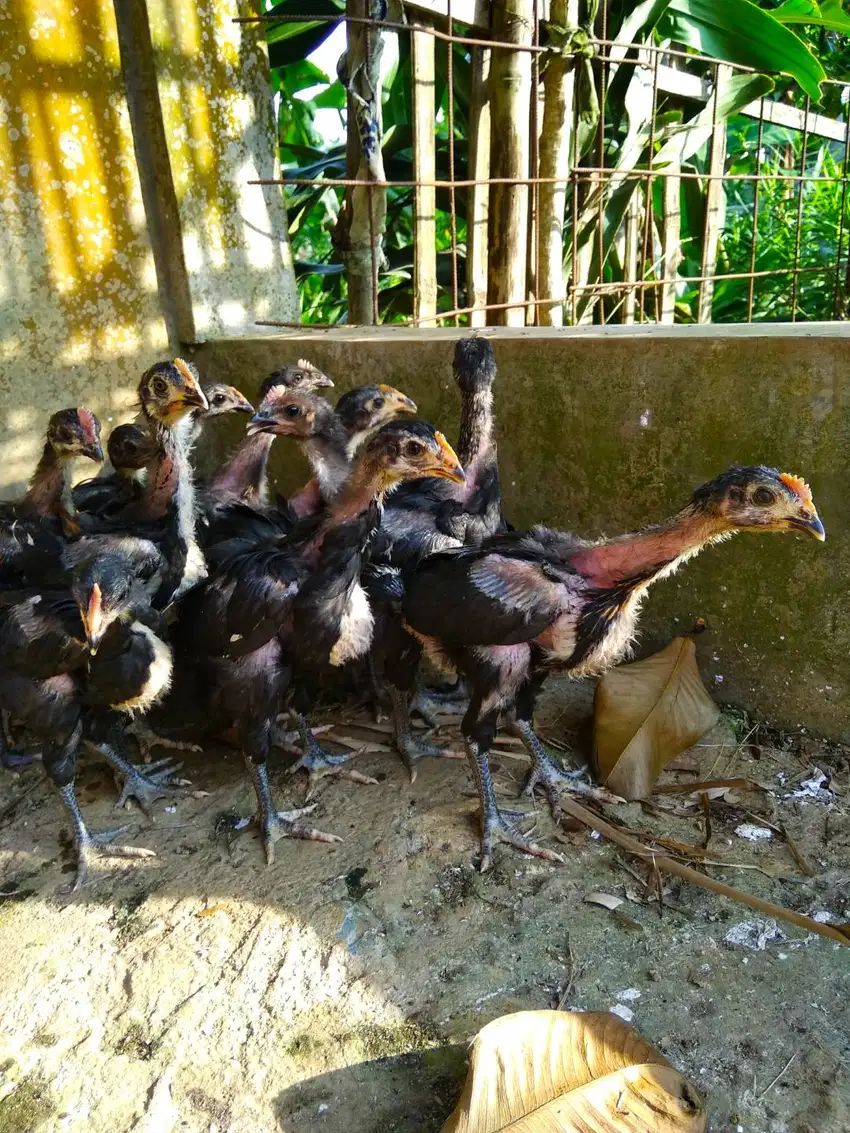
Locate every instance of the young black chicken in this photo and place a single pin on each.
(243, 477)
(129, 449)
(50, 678)
(430, 516)
(326, 438)
(169, 393)
(506, 613)
(33, 526)
(243, 630)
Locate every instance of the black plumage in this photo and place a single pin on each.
(506, 613)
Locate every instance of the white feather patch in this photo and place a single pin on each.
(159, 674)
(356, 628)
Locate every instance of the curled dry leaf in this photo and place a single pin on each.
(565, 1072)
(646, 714)
(606, 900)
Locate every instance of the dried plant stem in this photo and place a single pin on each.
(840, 933)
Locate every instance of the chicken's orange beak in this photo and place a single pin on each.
(446, 464)
(398, 401)
(191, 395)
(241, 404)
(93, 619)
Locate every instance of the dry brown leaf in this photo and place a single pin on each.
(606, 900)
(646, 714)
(569, 1072)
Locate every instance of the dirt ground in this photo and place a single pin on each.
(336, 991)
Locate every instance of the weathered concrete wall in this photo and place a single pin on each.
(604, 432)
(80, 316)
(217, 109)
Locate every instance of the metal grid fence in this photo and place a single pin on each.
(697, 239)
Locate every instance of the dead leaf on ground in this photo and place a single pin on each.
(566, 1072)
(606, 900)
(646, 714)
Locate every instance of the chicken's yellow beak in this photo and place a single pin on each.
(446, 464)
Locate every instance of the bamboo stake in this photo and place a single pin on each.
(478, 198)
(671, 244)
(510, 91)
(630, 255)
(841, 933)
(360, 227)
(424, 169)
(715, 200)
(555, 154)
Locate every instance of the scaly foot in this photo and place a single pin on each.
(545, 773)
(498, 826)
(318, 762)
(412, 749)
(433, 703)
(92, 846)
(156, 781)
(284, 824)
(147, 740)
(276, 824)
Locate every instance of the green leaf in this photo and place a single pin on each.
(733, 94)
(736, 31)
(829, 14)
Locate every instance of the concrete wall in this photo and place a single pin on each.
(80, 314)
(603, 431)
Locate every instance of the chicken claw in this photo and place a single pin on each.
(319, 763)
(147, 739)
(91, 846)
(276, 824)
(155, 782)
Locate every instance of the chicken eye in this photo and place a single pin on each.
(413, 448)
(218, 399)
(292, 411)
(160, 386)
(763, 496)
(378, 403)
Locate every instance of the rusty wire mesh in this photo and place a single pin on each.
(801, 158)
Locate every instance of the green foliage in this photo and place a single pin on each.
(797, 42)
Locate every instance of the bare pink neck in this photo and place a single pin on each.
(50, 487)
(244, 475)
(647, 553)
(358, 494)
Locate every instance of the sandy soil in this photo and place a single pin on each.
(337, 990)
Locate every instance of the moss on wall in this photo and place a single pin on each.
(604, 433)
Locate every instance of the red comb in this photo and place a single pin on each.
(799, 487)
(88, 421)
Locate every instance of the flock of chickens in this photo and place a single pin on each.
(145, 602)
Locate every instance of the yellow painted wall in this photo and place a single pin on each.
(217, 109)
(79, 311)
